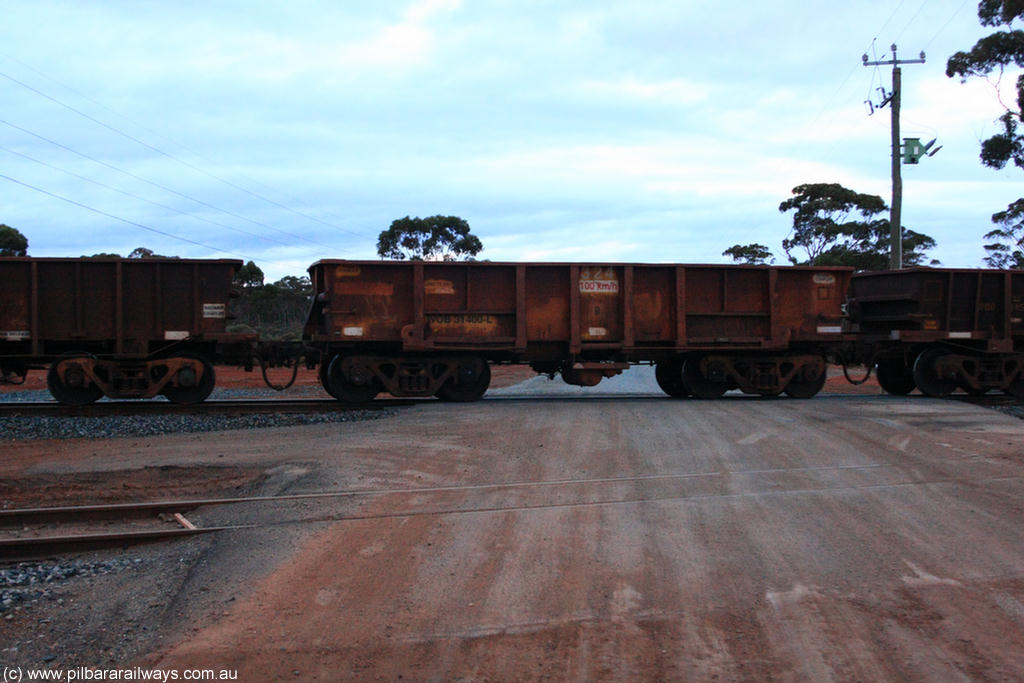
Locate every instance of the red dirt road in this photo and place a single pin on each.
(838, 539)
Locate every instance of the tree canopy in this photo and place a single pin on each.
(12, 242)
(249, 275)
(992, 55)
(834, 225)
(1007, 248)
(754, 254)
(143, 252)
(445, 238)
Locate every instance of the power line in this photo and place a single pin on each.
(886, 24)
(127, 221)
(948, 22)
(157, 134)
(143, 199)
(912, 20)
(110, 215)
(158, 185)
(157, 150)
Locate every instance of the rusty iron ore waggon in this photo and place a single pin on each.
(136, 328)
(124, 328)
(432, 328)
(938, 330)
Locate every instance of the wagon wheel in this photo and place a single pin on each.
(927, 376)
(895, 376)
(466, 392)
(804, 386)
(343, 389)
(191, 389)
(321, 373)
(1016, 387)
(669, 375)
(699, 385)
(75, 389)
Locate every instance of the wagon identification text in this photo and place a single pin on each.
(598, 281)
(214, 310)
(462, 319)
(347, 271)
(434, 286)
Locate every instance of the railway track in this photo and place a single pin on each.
(40, 533)
(318, 405)
(153, 407)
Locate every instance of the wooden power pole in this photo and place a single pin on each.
(895, 227)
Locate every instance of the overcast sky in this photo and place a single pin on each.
(657, 131)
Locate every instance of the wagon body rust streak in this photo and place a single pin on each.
(126, 328)
(425, 328)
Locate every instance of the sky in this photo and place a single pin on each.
(654, 131)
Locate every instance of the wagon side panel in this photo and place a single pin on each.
(727, 306)
(365, 302)
(470, 304)
(15, 301)
(810, 302)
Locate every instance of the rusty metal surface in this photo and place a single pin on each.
(111, 306)
(929, 304)
(642, 310)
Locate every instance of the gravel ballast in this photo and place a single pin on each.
(29, 427)
(29, 582)
(24, 427)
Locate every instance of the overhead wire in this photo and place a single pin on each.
(155, 184)
(170, 156)
(946, 25)
(912, 20)
(159, 135)
(853, 69)
(119, 218)
(140, 198)
(871, 47)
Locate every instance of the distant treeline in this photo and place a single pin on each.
(276, 311)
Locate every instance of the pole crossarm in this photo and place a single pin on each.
(894, 62)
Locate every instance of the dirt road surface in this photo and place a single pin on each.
(534, 536)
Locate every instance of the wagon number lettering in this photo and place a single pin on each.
(598, 279)
(462, 319)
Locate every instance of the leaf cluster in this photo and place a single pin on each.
(824, 220)
(752, 254)
(836, 226)
(248, 276)
(1007, 248)
(993, 54)
(12, 242)
(445, 238)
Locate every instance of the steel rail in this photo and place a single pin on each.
(39, 547)
(35, 548)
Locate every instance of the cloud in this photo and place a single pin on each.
(673, 91)
(360, 44)
(425, 10)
